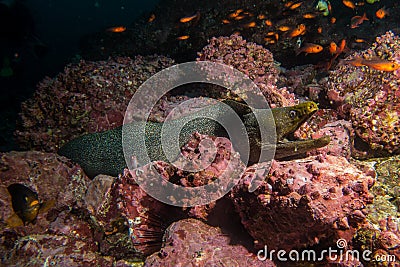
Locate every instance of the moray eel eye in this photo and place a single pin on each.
(292, 114)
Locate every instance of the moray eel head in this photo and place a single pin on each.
(289, 119)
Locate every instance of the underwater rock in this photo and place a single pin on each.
(253, 60)
(342, 136)
(304, 202)
(370, 97)
(87, 97)
(191, 242)
(54, 250)
(383, 241)
(146, 217)
(52, 177)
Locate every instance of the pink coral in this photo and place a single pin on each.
(86, 97)
(292, 207)
(251, 59)
(193, 243)
(370, 98)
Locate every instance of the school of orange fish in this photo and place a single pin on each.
(274, 32)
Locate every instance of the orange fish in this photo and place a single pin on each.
(319, 30)
(300, 30)
(333, 48)
(117, 29)
(349, 4)
(183, 37)
(357, 20)
(381, 13)
(151, 18)
(283, 28)
(261, 16)
(225, 21)
(309, 48)
(359, 40)
(190, 18)
(268, 22)
(375, 63)
(296, 5)
(269, 40)
(288, 4)
(333, 20)
(309, 16)
(250, 25)
(342, 46)
(236, 13)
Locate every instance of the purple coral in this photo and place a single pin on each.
(191, 242)
(251, 59)
(292, 208)
(86, 97)
(371, 98)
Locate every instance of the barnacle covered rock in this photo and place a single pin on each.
(292, 206)
(253, 60)
(371, 98)
(87, 97)
(191, 242)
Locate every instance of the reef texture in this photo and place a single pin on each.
(61, 236)
(370, 98)
(251, 59)
(293, 207)
(52, 177)
(191, 242)
(87, 97)
(382, 241)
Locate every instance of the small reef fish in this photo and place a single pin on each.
(349, 4)
(309, 16)
(190, 18)
(324, 6)
(250, 25)
(319, 29)
(359, 40)
(295, 5)
(183, 37)
(333, 20)
(268, 22)
(357, 20)
(300, 30)
(26, 205)
(375, 63)
(235, 13)
(333, 48)
(381, 13)
(261, 16)
(309, 48)
(117, 29)
(283, 28)
(225, 21)
(151, 18)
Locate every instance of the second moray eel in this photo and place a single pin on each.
(102, 153)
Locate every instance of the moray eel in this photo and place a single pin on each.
(102, 153)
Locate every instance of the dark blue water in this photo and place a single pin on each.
(39, 37)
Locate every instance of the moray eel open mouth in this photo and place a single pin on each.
(102, 153)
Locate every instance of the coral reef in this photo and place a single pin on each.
(253, 60)
(191, 242)
(52, 177)
(86, 97)
(369, 97)
(292, 207)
